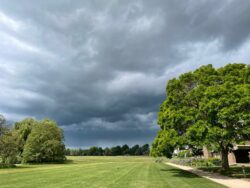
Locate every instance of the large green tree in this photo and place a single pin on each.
(44, 143)
(206, 107)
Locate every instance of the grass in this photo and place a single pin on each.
(234, 171)
(102, 172)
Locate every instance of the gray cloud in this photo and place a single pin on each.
(99, 68)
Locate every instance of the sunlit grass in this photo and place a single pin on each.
(102, 172)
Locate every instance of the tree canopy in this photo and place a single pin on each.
(32, 141)
(113, 151)
(206, 107)
(45, 143)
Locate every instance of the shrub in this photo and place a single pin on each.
(184, 154)
(197, 162)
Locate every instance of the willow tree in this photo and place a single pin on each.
(206, 107)
(44, 143)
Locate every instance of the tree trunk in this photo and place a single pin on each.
(224, 159)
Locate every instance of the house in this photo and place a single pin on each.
(240, 154)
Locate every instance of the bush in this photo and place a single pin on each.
(197, 162)
(184, 154)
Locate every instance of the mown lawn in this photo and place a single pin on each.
(98, 172)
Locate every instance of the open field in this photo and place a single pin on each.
(102, 172)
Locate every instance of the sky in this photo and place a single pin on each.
(100, 68)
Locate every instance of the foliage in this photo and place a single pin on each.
(45, 143)
(9, 144)
(206, 107)
(145, 149)
(2, 125)
(95, 151)
(113, 151)
(184, 154)
(197, 162)
(164, 144)
(9, 148)
(30, 141)
(23, 130)
(125, 149)
(24, 127)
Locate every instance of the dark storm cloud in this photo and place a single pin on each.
(100, 67)
(108, 138)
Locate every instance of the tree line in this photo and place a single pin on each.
(31, 141)
(207, 107)
(135, 150)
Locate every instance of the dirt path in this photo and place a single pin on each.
(224, 180)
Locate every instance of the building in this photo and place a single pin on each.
(240, 154)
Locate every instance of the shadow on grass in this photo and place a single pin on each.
(51, 163)
(211, 172)
(179, 173)
(8, 167)
(192, 173)
(234, 171)
(18, 166)
(23, 166)
(68, 161)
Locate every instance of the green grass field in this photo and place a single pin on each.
(98, 172)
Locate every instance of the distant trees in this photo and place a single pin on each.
(206, 107)
(125, 149)
(113, 151)
(31, 141)
(95, 151)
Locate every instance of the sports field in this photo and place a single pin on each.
(101, 172)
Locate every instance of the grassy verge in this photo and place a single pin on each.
(214, 165)
(234, 171)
